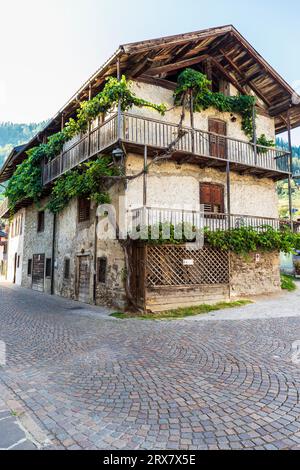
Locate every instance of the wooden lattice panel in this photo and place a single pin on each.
(174, 265)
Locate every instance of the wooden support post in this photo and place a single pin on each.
(192, 121)
(89, 125)
(228, 193)
(291, 169)
(119, 102)
(254, 133)
(62, 153)
(145, 179)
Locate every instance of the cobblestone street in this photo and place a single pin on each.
(89, 381)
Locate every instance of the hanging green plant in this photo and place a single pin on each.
(26, 182)
(262, 140)
(86, 180)
(203, 98)
(243, 240)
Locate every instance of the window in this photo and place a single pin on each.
(84, 206)
(41, 221)
(29, 267)
(102, 266)
(67, 269)
(212, 197)
(21, 224)
(18, 262)
(48, 267)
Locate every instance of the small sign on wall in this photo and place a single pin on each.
(188, 262)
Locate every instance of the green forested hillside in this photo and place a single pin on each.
(15, 134)
(283, 185)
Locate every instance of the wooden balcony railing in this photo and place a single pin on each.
(152, 216)
(4, 207)
(90, 144)
(141, 131)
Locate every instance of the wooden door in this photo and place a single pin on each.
(217, 143)
(83, 278)
(212, 197)
(38, 272)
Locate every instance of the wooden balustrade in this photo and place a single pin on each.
(4, 207)
(141, 131)
(151, 216)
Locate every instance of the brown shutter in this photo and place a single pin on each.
(217, 145)
(83, 210)
(212, 197)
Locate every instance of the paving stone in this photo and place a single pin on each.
(94, 383)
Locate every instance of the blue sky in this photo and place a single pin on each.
(50, 47)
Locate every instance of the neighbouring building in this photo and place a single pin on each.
(3, 254)
(214, 165)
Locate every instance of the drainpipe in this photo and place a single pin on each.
(291, 169)
(53, 254)
(95, 260)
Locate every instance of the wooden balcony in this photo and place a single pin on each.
(4, 209)
(197, 146)
(152, 216)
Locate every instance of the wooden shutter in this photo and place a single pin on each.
(212, 197)
(217, 145)
(83, 209)
(38, 270)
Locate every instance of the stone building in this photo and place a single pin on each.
(214, 175)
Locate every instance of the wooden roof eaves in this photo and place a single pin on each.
(141, 46)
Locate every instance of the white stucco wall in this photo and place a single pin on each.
(15, 246)
(173, 186)
(265, 125)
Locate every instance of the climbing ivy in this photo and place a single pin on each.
(86, 180)
(243, 240)
(26, 181)
(262, 140)
(246, 240)
(203, 98)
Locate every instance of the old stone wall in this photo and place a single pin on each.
(171, 186)
(254, 274)
(36, 243)
(75, 239)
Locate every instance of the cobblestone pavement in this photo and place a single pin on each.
(97, 383)
(12, 434)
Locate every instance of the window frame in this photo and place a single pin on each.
(67, 270)
(29, 267)
(48, 268)
(40, 221)
(101, 271)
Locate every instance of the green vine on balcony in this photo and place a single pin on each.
(26, 182)
(85, 181)
(242, 241)
(191, 81)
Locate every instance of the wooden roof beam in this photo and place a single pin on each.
(178, 65)
(245, 79)
(228, 76)
(280, 108)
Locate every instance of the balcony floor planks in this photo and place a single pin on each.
(182, 157)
